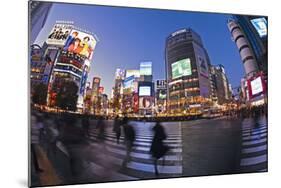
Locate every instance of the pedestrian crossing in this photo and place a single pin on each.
(254, 152)
(107, 162)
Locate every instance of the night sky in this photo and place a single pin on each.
(128, 36)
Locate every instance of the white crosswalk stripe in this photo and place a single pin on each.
(141, 161)
(254, 145)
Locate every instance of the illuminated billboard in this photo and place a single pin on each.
(119, 74)
(146, 68)
(162, 94)
(145, 102)
(128, 83)
(80, 43)
(181, 68)
(59, 34)
(144, 91)
(161, 84)
(135, 73)
(84, 80)
(256, 86)
(260, 25)
(66, 57)
(101, 90)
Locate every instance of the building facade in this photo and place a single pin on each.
(187, 72)
(38, 15)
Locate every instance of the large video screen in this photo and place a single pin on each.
(181, 68)
(126, 93)
(144, 91)
(256, 86)
(146, 68)
(260, 25)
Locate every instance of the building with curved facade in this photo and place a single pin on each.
(245, 51)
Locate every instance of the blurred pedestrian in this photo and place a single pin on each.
(86, 125)
(40, 126)
(52, 135)
(101, 129)
(129, 135)
(35, 143)
(158, 149)
(117, 128)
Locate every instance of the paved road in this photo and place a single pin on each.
(200, 147)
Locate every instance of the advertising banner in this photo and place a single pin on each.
(161, 84)
(144, 91)
(256, 86)
(101, 90)
(119, 74)
(145, 102)
(80, 43)
(136, 103)
(49, 59)
(146, 68)
(260, 25)
(59, 34)
(181, 68)
(162, 94)
(135, 73)
(83, 80)
(77, 60)
(203, 67)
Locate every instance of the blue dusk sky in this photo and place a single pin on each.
(128, 36)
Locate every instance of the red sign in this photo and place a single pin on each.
(254, 85)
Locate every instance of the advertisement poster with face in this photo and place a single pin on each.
(145, 102)
(59, 34)
(80, 43)
(203, 67)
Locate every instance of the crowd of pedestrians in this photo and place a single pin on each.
(48, 129)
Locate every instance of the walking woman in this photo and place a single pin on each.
(158, 149)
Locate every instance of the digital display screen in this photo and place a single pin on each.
(129, 82)
(144, 91)
(260, 25)
(146, 68)
(162, 95)
(181, 68)
(135, 73)
(256, 86)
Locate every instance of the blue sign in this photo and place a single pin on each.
(260, 25)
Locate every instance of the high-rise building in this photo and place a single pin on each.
(63, 62)
(146, 71)
(95, 93)
(187, 72)
(250, 35)
(220, 90)
(243, 45)
(38, 15)
(161, 95)
(255, 30)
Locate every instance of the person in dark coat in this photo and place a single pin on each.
(158, 149)
(101, 129)
(129, 135)
(86, 125)
(117, 128)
